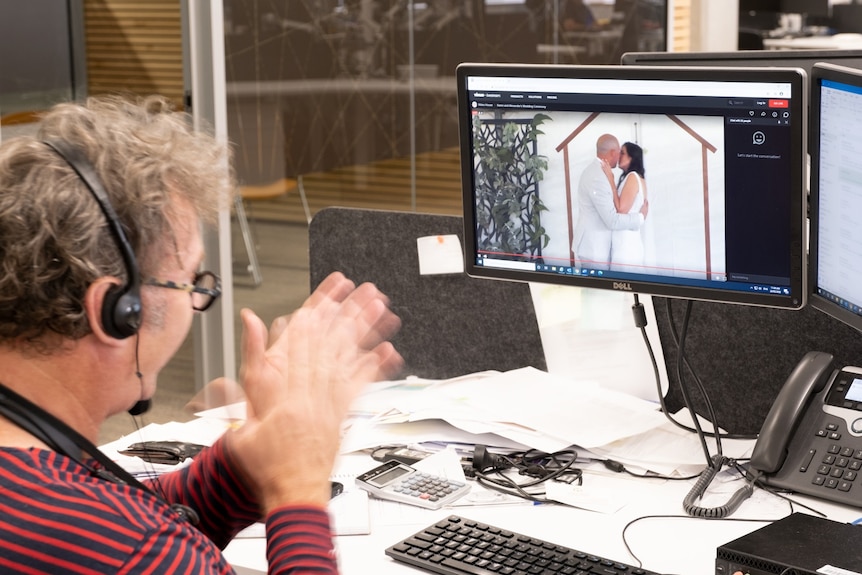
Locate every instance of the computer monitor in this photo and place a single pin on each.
(760, 5)
(723, 151)
(847, 18)
(835, 249)
(759, 14)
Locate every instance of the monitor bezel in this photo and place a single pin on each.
(844, 75)
(796, 76)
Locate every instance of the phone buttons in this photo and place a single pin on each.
(807, 461)
(856, 426)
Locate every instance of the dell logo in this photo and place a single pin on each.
(623, 286)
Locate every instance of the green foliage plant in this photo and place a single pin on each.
(507, 169)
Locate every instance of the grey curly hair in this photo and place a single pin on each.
(54, 239)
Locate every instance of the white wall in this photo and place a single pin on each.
(715, 25)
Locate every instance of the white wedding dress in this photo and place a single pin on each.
(627, 246)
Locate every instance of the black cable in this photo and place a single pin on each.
(684, 389)
(713, 434)
(756, 480)
(637, 560)
(701, 485)
(618, 467)
(714, 463)
(640, 323)
(541, 466)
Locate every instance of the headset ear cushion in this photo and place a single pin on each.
(121, 312)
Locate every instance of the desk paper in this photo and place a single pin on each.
(600, 493)
(349, 512)
(526, 406)
(440, 255)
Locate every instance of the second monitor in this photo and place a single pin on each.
(719, 157)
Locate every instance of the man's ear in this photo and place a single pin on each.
(94, 301)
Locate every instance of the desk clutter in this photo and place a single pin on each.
(607, 500)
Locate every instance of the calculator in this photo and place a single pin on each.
(399, 482)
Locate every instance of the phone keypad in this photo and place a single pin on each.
(839, 468)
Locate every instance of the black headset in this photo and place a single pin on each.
(121, 310)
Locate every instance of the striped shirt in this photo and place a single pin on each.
(56, 517)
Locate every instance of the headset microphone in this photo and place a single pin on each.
(141, 407)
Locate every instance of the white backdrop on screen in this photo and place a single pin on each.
(674, 232)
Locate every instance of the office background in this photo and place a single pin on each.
(329, 102)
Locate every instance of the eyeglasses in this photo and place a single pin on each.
(205, 289)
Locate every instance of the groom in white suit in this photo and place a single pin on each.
(597, 217)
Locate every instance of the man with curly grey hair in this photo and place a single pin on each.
(100, 246)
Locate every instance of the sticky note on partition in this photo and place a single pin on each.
(440, 255)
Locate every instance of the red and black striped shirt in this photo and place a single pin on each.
(56, 517)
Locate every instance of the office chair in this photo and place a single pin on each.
(250, 194)
(743, 355)
(451, 324)
(749, 40)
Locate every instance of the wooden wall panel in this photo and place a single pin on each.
(134, 47)
(681, 26)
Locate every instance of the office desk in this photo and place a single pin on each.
(677, 544)
(597, 42)
(556, 52)
(836, 42)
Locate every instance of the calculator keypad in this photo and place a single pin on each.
(425, 486)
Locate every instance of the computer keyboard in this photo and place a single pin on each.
(455, 546)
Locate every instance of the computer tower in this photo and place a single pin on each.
(798, 544)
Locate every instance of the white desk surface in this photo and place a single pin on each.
(669, 545)
(835, 42)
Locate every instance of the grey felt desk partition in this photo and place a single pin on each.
(744, 354)
(452, 324)
(455, 324)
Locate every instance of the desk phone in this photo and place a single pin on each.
(811, 440)
(399, 482)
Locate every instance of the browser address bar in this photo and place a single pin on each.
(631, 86)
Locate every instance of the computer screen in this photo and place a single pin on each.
(720, 151)
(835, 249)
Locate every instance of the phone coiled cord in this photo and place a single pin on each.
(699, 488)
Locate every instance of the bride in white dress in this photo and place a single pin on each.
(627, 246)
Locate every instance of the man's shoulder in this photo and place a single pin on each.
(40, 481)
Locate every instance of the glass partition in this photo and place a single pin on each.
(41, 56)
(352, 102)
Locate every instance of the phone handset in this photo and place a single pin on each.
(807, 378)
